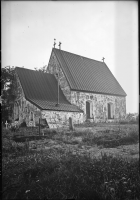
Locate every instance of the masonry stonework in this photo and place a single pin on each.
(57, 119)
(54, 68)
(26, 111)
(23, 109)
(99, 102)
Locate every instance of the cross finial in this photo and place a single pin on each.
(103, 59)
(54, 43)
(59, 45)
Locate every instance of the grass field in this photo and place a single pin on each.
(98, 162)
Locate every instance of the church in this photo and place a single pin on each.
(73, 86)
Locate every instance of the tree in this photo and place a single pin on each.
(42, 69)
(8, 85)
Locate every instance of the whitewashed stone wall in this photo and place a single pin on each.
(99, 102)
(57, 119)
(53, 68)
(23, 109)
(26, 111)
(99, 105)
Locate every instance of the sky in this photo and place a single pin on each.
(94, 29)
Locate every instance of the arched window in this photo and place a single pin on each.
(110, 111)
(89, 109)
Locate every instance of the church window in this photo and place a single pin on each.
(89, 109)
(110, 111)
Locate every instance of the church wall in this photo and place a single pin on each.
(98, 102)
(99, 105)
(19, 90)
(57, 119)
(23, 109)
(53, 68)
(26, 111)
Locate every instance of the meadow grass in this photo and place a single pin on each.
(57, 174)
(47, 175)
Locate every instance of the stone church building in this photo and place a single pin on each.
(74, 86)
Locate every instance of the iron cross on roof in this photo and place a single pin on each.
(59, 45)
(54, 43)
(103, 59)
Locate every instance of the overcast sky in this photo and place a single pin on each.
(93, 29)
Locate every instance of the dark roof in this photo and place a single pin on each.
(85, 74)
(41, 90)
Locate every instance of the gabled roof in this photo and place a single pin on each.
(88, 75)
(41, 89)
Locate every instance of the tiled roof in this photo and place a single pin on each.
(85, 74)
(41, 90)
(48, 105)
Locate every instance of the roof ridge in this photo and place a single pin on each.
(79, 55)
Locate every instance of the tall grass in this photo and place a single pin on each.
(58, 174)
(44, 175)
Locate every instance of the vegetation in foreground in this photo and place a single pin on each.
(57, 174)
(44, 175)
(107, 137)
